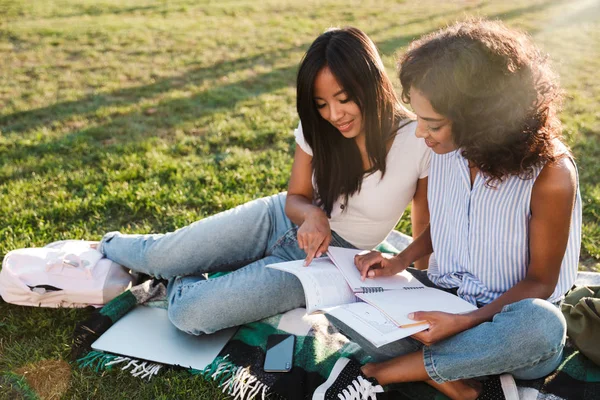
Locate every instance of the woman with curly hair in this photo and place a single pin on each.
(505, 225)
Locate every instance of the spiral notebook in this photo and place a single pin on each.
(344, 261)
(376, 308)
(383, 292)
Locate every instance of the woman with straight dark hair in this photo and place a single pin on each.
(357, 165)
(505, 225)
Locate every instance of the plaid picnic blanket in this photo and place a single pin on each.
(238, 368)
(318, 346)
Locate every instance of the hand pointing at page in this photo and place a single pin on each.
(314, 235)
(374, 264)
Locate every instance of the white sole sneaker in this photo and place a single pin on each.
(340, 364)
(509, 387)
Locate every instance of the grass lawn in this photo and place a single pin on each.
(143, 116)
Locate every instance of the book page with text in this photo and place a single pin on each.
(344, 260)
(324, 286)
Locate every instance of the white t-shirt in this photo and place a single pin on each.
(371, 214)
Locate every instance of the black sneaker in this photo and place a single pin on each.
(347, 382)
(499, 387)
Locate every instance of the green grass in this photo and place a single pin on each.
(147, 115)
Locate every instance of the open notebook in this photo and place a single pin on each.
(146, 333)
(375, 308)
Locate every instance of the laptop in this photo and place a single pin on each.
(146, 333)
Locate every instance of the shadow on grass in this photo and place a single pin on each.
(519, 12)
(392, 45)
(97, 139)
(27, 120)
(220, 97)
(92, 144)
(585, 15)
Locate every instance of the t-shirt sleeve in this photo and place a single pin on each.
(425, 161)
(299, 134)
(418, 150)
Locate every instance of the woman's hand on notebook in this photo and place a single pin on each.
(442, 325)
(373, 264)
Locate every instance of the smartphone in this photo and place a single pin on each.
(280, 353)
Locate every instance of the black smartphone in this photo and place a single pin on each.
(280, 353)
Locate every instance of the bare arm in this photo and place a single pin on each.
(552, 201)
(420, 217)
(314, 233)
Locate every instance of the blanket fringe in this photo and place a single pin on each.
(220, 370)
(96, 360)
(143, 369)
(244, 386)
(234, 381)
(102, 361)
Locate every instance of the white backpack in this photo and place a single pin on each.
(67, 273)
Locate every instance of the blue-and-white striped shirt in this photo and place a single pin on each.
(480, 235)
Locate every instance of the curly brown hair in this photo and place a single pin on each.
(497, 89)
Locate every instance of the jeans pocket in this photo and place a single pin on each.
(338, 241)
(288, 238)
(286, 247)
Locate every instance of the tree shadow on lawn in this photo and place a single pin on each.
(221, 97)
(519, 12)
(390, 46)
(21, 122)
(591, 13)
(93, 143)
(24, 121)
(169, 113)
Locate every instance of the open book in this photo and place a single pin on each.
(375, 308)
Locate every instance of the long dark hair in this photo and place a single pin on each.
(496, 88)
(354, 61)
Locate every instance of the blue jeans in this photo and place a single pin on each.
(525, 339)
(243, 240)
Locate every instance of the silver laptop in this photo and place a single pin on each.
(146, 333)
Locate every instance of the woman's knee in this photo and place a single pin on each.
(542, 325)
(195, 316)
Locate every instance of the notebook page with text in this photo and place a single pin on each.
(324, 286)
(344, 260)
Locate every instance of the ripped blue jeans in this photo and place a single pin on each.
(242, 241)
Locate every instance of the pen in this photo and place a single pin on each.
(414, 324)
